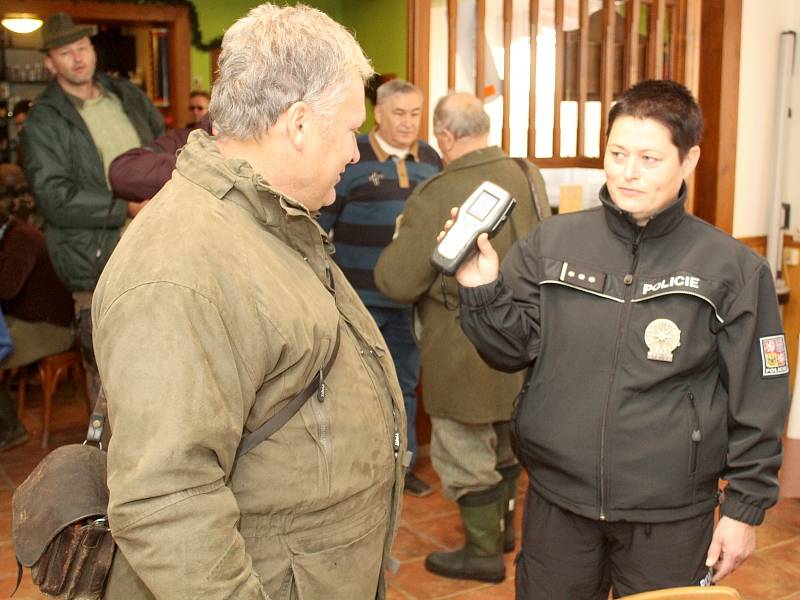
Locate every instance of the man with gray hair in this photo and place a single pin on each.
(259, 432)
(469, 403)
(369, 199)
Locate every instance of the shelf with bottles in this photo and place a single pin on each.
(26, 73)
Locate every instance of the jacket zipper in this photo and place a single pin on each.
(697, 435)
(361, 343)
(626, 309)
(323, 417)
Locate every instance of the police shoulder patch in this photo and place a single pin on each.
(774, 358)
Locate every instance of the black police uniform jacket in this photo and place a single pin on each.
(657, 364)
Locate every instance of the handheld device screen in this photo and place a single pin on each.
(482, 205)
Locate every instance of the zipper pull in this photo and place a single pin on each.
(322, 389)
(396, 443)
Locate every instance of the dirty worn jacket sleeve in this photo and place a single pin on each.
(404, 271)
(757, 402)
(58, 192)
(178, 395)
(501, 319)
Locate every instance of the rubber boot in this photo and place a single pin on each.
(12, 431)
(511, 486)
(482, 556)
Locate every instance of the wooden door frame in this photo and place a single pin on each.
(718, 95)
(174, 18)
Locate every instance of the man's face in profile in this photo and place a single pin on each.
(73, 63)
(643, 170)
(398, 119)
(332, 146)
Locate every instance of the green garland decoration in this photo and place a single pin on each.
(197, 36)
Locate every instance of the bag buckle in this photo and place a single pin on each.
(94, 434)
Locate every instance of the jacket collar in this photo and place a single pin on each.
(55, 96)
(475, 158)
(234, 180)
(621, 223)
(382, 155)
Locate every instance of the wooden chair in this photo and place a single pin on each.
(51, 370)
(688, 593)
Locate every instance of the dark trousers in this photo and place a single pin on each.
(395, 326)
(568, 557)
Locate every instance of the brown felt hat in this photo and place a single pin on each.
(59, 30)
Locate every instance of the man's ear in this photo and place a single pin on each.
(378, 114)
(447, 139)
(298, 117)
(48, 64)
(690, 161)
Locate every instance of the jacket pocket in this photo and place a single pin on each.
(322, 417)
(696, 435)
(515, 410)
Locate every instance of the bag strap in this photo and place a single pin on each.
(526, 169)
(279, 419)
(97, 420)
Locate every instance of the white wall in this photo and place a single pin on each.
(762, 23)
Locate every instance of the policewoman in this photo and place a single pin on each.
(657, 366)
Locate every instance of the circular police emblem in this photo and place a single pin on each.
(662, 336)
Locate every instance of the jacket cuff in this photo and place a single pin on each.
(732, 506)
(118, 214)
(482, 295)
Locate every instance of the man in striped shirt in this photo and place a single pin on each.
(369, 198)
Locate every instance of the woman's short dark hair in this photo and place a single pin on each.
(668, 102)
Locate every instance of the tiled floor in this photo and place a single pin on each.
(428, 524)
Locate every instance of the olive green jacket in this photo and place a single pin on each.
(456, 383)
(66, 175)
(220, 303)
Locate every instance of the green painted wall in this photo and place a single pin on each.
(380, 26)
(214, 17)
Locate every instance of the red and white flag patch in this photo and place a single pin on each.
(774, 358)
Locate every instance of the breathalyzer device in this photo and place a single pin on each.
(485, 211)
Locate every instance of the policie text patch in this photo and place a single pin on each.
(774, 358)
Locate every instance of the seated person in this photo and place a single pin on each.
(37, 307)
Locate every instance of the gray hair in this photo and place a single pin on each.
(276, 56)
(461, 114)
(395, 86)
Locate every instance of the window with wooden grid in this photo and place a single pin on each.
(579, 54)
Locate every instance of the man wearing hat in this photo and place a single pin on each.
(78, 125)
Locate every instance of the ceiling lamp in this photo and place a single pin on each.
(21, 22)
